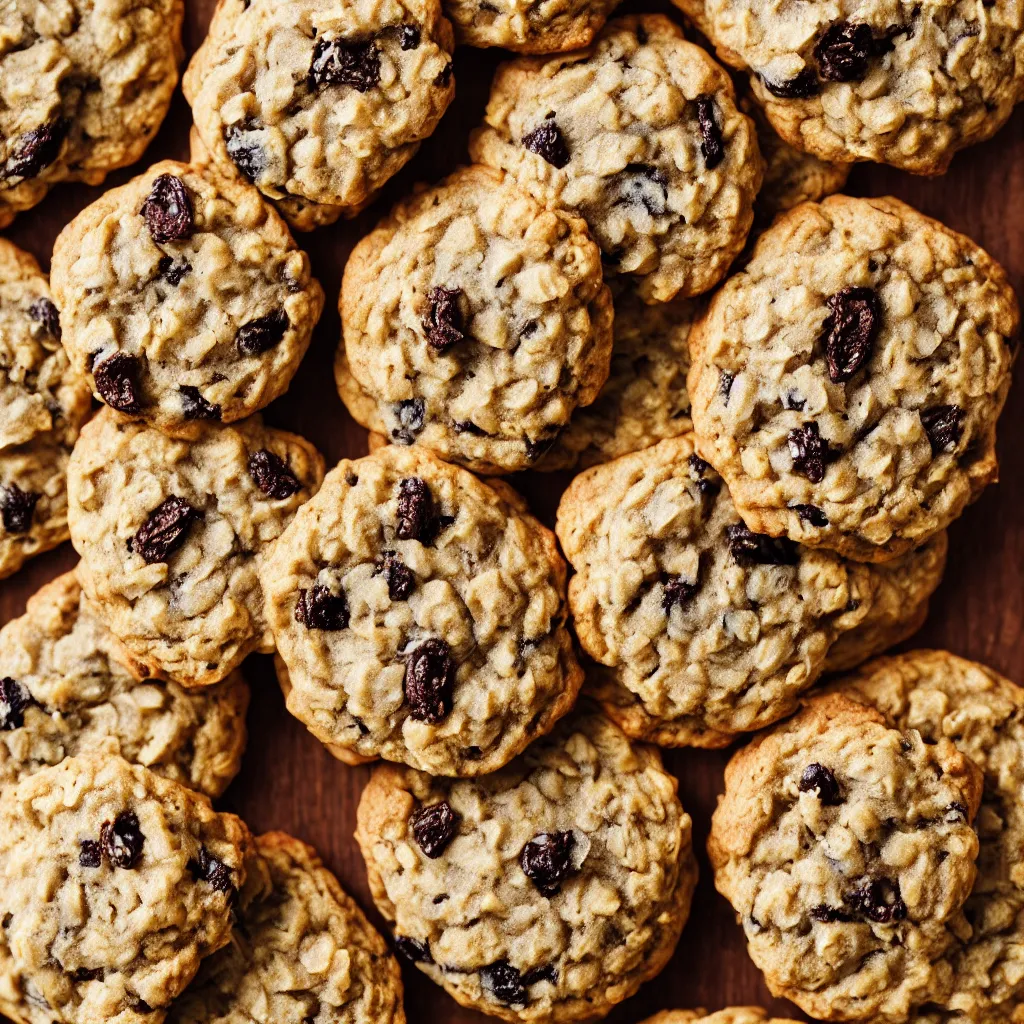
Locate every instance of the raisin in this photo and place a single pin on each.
(168, 210)
(956, 811)
(547, 860)
(725, 382)
(444, 324)
(549, 972)
(794, 402)
(318, 608)
(207, 868)
(547, 141)
(336, 62)
(409, 37)
(44, 312)
(711, 145)
(444, 76)
(116, 380)
(844, 51)
(415, 509)
(809, 451)
(678, 591)
(410, 413)
(434, 827)
(944, 425)
(646, 186)
(469, 427)
(811, 514)
(541, 446)
(247, 156)
(89, 853)
(850, 331)
(36, 149)
(88, 974)
(400, 578)
(413, 950)
(173, 271)
(263, 333)
(801, 87)
(504, 982)
(195, 407)
(429, 681)
(164, 530)
(17, 508)
(121, 842)
(824, 914)
(816, 778)
(14, 700)
(749, 548)
(878, 900)
(707, 488)
(272, 475)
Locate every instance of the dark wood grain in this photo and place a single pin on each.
(290, 782)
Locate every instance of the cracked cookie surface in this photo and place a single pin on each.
(514, 891)
(527, 26)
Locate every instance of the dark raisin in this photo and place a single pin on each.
(547, 141)
(434, 827)
(725, 382)
(409, 37)
(318, 608)
(164, 530)
(36, 149)
(400, 578)
(956, 811)
(247, 156)
(173, 271)
(44, 312)
(944, 425)
(469, 427)
(336, 62)
(88, 974)
(816, 778)
(116, 380)
(17, 507)
(801, 87)
(207, 868)
(811, 514)
(794, 401)
(844, 51)
(541, 446)
(444, 76)
(878, 900)
(195, 407)
(89, 853)
(678, 591)
(122, 841)
(750, 548)
(263, 333)
(809, 451)
(824, 914)
(707, 488)
(549, 972)
(168, 210)
(14, 700)
(272, 475)
(547, 860)
(413, 950)
(504, 982)
(415, 509)
(444, 324)
(646, 186)
(410, 413)
(711, 145)
(429, 681)
(850, 331)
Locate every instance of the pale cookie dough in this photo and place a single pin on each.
(847, 382)
(63, 692)
(171, 534)
(846, 850)
(183, 298)
(319, 103)
(736, 1015)
(116, 884)
(547, 892)
(891, 81)
(528, 26)
(85, 86)
(640, 135)
(421, 616)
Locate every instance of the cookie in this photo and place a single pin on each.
(171, 534)
(846, 849)
(302, 953)
(85, 86)
(903, 84)
(476, 321)
(847, 382)
(319, 104)
(420, 614)
(183, 298)
(706, 629)
(548, 891)
(639, 134)
(63, 692)
(116, 884)
(943, 696)
(736, 1015)
(546, 27)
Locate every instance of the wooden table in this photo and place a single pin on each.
(288, 781)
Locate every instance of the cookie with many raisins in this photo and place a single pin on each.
(855, 367)
(639, 134)
(421, 616)
(184, 298)
(847, 850)
(550, 26)
(515, 891)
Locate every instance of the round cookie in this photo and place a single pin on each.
(846, 850)
(549, 26)
(705, 628)
(171, 534)
(85, 85)
(319, 104)
(904, 84)
(847, 382)
(735, 1015)
(421, 616)
(476, 320)
(640, 135)
(116, 884)
(63, 692)
(515, 891)
(183, 298)
(943, 696)
(303, 953)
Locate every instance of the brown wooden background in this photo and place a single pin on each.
(288, 781)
